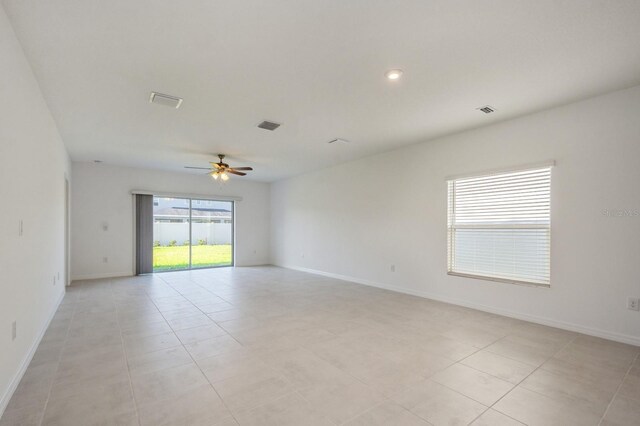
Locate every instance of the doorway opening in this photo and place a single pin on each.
(190, 233)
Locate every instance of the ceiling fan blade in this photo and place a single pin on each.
(233, 172)
(242, 168)
(199, 168)
(216, 165)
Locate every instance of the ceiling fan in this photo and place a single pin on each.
(221, 169)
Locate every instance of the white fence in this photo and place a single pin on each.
(212, 233)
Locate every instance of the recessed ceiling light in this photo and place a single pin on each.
(393, 74)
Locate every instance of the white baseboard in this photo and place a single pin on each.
(610, 335)
(4, 401)
(101, 275)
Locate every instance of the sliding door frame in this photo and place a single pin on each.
(191, 198)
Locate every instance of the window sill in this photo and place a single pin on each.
(499, 280)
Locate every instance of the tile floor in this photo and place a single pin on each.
(270, 346)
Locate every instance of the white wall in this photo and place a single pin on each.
(357, 219)
(33, 164)
(102, 194)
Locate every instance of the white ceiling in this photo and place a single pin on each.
(315, 65)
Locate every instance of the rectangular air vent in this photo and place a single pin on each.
(166, 100)
(268, 125)
(486, 109)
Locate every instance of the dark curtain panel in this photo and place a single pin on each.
(144, 234)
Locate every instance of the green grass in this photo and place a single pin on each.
(172, 258)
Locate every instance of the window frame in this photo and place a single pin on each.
(450, 247)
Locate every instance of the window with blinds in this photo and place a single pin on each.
(499, 226)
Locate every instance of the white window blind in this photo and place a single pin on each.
(499, 226)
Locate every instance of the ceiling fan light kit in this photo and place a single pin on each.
(222, 170)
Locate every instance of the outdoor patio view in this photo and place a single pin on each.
(191, 233)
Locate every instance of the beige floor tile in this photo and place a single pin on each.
(519, 351)
(210, 308)
(247, 391)
(597, 375)
(97, 406)
(71, 372)
(631, 387)
(342, 402)
(569, 390)
(168, 383)
(92, 385)
(289, 410)
(183, 323)
(504, 368)
(228, 365)
(303, 369)
(439, 405)
(622, 412)
(263, 338)
(144, 328)
(393, 377)
(494, 418)
(601, 348)
(34, 387)
(304, 336)
(228, 314)
(578, 355)
(213, 346)
(543, 341)
(240, 324)
(388, 413)
(174, 304)
(534, 409)
(136, 345)
(350, 360)
(158, 360)
(192, 335)
(425, 362)
(447, 347)
(26, 416)
(286, 345)
(47, 353)
(473, 335)
(199, 407)
(475, 384)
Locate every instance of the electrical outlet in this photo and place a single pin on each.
(393, 268)
(105, 260)
(633, 304)
(14, 331)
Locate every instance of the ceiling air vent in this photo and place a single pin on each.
(268, 125)
(487, 109)
(166, 100)
(338, 140)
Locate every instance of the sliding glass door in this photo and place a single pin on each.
(191, 233)
(211, 233)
